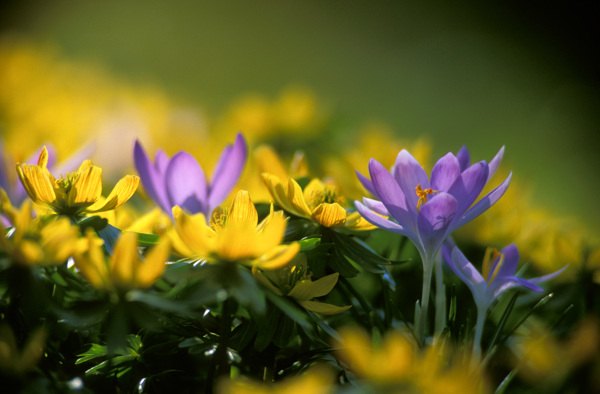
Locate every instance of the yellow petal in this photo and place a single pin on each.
(193, 231)
(329, 215)
(85, 166)
(120, 194)
(37, 184)
(238, 241)
(86, 187)
(59, 239)
(314, 189)
(296, 198)
(91, 263)
(268, 161)
(43, 159)
(307, 289)
(270, 233)
(125, 258)
(242, 210)
(323, 308)
(355, 221)
(153, 266)
(277, 257)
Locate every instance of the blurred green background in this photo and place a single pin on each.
(484, 75)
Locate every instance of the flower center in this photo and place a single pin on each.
(422, 194)
(326, 195)
(492, 261)
(289, 277)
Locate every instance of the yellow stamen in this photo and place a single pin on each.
(422, 194)
(490, 256)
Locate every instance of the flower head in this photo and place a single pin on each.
(427, 210)
(318, 202)
(236, 235)
(75, 194)
(497, 276)
(126, 268)
(39, 240)
(181, 181)
(294, 280)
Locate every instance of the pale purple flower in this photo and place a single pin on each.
(181, 181)
(427, 211)
(498, 273)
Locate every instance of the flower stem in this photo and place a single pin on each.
(221, 355)
(476, 354)
(422, 323)
(440, 297)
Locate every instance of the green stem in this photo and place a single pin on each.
(440, 297)
(421, 328)
(476, 354)
(221, 355)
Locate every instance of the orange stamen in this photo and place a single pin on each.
(422, 194)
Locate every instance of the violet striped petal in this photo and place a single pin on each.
(227, 172)
(152, 180)
(390, 194)
(186, 183)
(382, 222)
(376, 206)
(463, 157)
(485, 203)
(511, 260)
(367, 184)
(408, 173)
(434, 220)
(445, 172)
(465, 271)
(469, 185)
(549, 276)
(495, 163)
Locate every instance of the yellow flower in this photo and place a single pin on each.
(318, 202)
(78, 192)
(126, 268)
(17, 362)
(317, 380)
(397, 363)
(37, 241)
(236, 235)
(294, 280)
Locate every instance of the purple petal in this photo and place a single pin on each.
(391, 194)
(444, 173)
(482, 205)
(469, 185)
(186, 183)
(463, 158)
(495, 163)
(152, 180)
(227, 172)
(382, 222)
(376, 206)
(434, 220)
(74, 160)
(511, 260)
(161, 161)
(526, 283)
(408, 173)
(549, 276)
(367, 184)
(465, 271)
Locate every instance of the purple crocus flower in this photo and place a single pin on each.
(427, 211)
(498, 275)
(181, 181)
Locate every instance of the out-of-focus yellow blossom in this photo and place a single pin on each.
(319, 202)
(317, 380)
(549, 243)
(398, 366)
(544, 359)
(17, 362)
(374, 141)
(294, 280)
(78, 192)
(236, 235)
(46, 241)
(126, 268)
(294, 112)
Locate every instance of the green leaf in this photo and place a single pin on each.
(324, 326)
(146, 240)
(309, 243)
(109, 234)
(93, 352)
(267, 328)
(246, 291)
(358, 252)
(290, 309)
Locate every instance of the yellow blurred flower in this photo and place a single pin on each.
(398, 366)
(294, 280)
(17, 362)
(42, 240)
(317, 380)
(78, 192)
(126, 268)
(236, 235)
